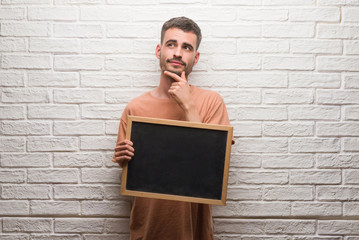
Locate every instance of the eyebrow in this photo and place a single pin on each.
(186, 44)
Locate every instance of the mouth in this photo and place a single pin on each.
(176, 62)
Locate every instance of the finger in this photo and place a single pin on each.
(174, 76)
(124, 147)
(124, 153)
(126, 142)
(183, 75)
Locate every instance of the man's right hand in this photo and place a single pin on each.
(124, 152)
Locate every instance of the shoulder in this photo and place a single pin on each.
(206, 95)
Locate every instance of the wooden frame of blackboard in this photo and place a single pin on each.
(212, 130)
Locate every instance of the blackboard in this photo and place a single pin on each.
(177, 160)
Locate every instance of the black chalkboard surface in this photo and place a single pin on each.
(178, 160)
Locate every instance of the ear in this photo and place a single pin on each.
(196, 58)
(158, 51)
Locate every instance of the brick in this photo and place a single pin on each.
(78, 96)
(54, 46)
(244, 193)
(107, 236)
(117, 225)
(12, 144)
(77, 2)
(232, 62)
(25, 95)
(78, 192)
(12, 112)
(214, 14)
(351, 113)
(236, 30)
(146, 46)
(101, 111)
(213, 79)
(248, 129)
(53, 13)
(316, 46)
(110, 175)
(268, 145)
(351, 209)
(157, 14)
(216, 47)
(287, 161)
(27, 160)
(103, 13)
(351, 144)
(237, 2)
(253, 209)
(31, 225)
(25, 29)
(107, 46)
(52, 112)
(245, 161)
(242, 96)
(288, 30)
(14, 237)
(130, 30)
(46, 144)
(316, 209)
(290, 227)
(315, 14)
(26, 1)
(106, 208)
(139, 2)
(337, 193)
(12, 13)
(337, 96)
(338, 2)
(351, 47)
(72, 63)
(79, 159)
(47, 79)
(332, 31)
(262, 113)
(238, 226)
(351, 81)
(264, 14)
(131, 63)
(121, 96)
(315, 177)
(8, 44)
(13, 208)
(107, 79)
(283, 193)
(79, 225)
(337, 161)
(98, 143)
(338, 227)
(291, 96)
(26, 192)
(113, 192)
(351, 176)
(263, 46)
(26, 61)
(56, 237)
(12, 176)
(350, 14)
(288, 63)
(285, 129)
(314, 112)
(79, 128)
(290, 2)
(263, 177)
(314, 80)
(71, 30)
(314, 145)
(52, 176)
(338, 63)
(262, 79)
(11, 79)
(55, 208)
(337, 129)
(25, 128)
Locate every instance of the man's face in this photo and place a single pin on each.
(178, 52)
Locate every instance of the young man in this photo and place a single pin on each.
(175, 99)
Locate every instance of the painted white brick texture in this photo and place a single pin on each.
(288, 71)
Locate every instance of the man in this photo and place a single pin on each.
(173, 99)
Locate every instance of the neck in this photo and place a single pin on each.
(161, 91)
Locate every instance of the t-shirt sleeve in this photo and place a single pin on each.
(122, 127)
(217, 113)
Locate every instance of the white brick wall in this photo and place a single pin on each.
(288, 71)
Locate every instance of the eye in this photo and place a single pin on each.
(170, 45)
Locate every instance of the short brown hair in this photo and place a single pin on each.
(185, 24)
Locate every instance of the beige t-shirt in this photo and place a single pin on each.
(153, 219)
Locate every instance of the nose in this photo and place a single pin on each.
(178, 52)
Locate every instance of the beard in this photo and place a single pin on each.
(167, 66)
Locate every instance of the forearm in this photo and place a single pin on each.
(191, 113)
